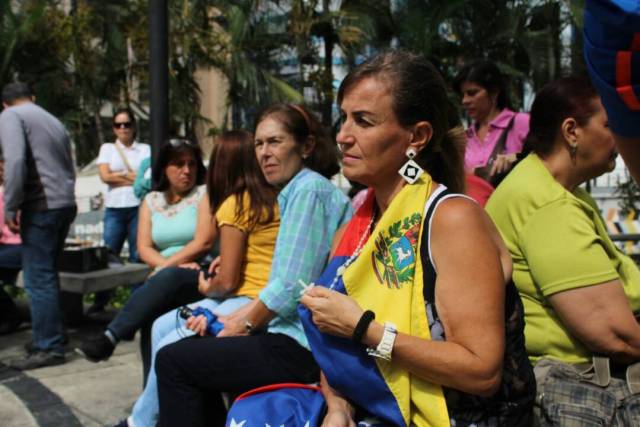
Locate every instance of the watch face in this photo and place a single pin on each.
(248, 326)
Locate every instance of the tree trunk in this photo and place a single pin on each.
(98, 123)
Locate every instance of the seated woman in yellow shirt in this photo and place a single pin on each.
(579, 291)
(248, 223)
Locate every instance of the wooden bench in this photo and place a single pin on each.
(101, 280)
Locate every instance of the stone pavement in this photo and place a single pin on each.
(78, 393)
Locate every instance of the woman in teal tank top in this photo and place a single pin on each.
(169, 214)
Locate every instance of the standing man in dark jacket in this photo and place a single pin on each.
(40, 204)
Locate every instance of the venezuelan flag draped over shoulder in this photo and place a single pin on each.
(386, 278)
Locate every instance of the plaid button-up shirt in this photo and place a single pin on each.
(311, 210)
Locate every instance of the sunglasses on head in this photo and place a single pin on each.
(176, 142)
(122, 125)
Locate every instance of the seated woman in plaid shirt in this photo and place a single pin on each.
(263, 342)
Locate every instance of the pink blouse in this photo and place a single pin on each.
(7, 237)
(477, 153)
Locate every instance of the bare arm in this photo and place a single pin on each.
(601, 318)
(115, 179)
(470, 294)
(146, 249)
(203, 238)
(340, 412)
(470, 301)
(233, 247)
(256, 312)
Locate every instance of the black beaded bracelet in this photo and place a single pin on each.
(362, 326)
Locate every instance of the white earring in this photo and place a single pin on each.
(410, 171)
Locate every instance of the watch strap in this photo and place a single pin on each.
(385, 347)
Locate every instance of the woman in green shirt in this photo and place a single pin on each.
(579, 291)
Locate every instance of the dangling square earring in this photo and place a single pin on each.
(410, 171)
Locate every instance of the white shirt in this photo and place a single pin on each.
(122, 197)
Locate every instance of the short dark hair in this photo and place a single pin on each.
(418, 93)
(12, 92)
(302, 124)
(172, 149)
(485, 73)
(129, 112)
(555, 102)
(125, 110)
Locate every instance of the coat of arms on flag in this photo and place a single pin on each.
(394, 256)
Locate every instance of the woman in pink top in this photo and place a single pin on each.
(10, 265)
(496, 133)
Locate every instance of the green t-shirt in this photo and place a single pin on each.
(558, 241)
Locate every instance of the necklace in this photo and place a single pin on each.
(340, 270)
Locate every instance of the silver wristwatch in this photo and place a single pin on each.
(248, 326)
(385, 347)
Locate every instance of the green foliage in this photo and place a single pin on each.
(522, 37)
(91, 55)
(118, 299)
(629, 194)
(14, 291)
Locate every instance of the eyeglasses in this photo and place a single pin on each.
(176, 142)
(123, 125)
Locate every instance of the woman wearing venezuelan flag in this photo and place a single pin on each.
(415, 321)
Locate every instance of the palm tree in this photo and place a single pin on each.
(17, 22)
(317, 28)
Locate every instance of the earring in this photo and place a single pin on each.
(573, 150)
(410, 171)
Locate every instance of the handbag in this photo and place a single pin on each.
(586, 395)
(484, 171)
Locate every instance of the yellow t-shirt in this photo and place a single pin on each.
(261, 241)
(558, 241)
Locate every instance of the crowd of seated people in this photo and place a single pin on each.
(263, 342)
(248, 223)
(421, 307)
(469, 351)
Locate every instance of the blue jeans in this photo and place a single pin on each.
(11, 257)
(43, 235)
(119, 224)
(168, 329)
(10, 266)
(169, 288)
